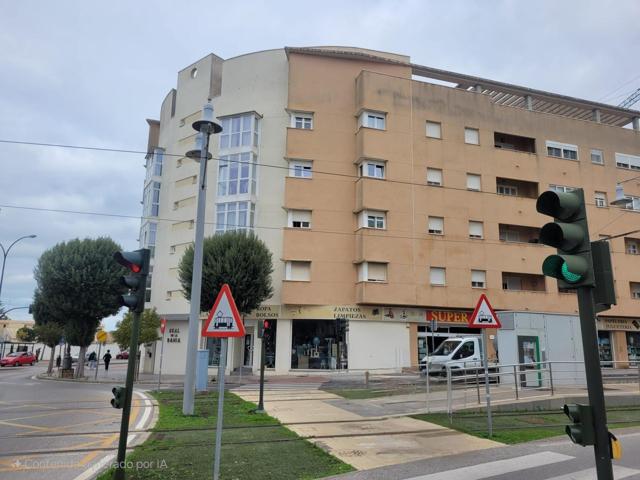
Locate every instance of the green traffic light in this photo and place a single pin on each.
(570, 268)
(568, 275)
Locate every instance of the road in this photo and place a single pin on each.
(38, 416)
(554, 459)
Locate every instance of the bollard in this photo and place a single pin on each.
(550, 379)
(366, 379)
(515, 379)
(449, 395)
(478, 386)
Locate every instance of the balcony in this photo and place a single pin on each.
(516, 188)
(519, 282)
(518, 233)
(514, 143)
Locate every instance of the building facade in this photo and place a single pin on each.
(390, 194)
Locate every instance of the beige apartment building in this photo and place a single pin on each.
(391, 195)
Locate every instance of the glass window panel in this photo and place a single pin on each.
(235, 139)
(236, 123)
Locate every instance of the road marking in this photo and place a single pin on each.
(95, 468)
(590, 474)
(499, 467)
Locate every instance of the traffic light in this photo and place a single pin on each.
(138, 263)
(604, 294)
(569, 233)
(118, 397)
(581, 431)
(267, 329)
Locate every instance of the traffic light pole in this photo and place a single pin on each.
(126, 410)
(594, 382)
(263, 359)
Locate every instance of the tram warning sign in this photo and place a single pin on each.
(224, 319)
(484, 316)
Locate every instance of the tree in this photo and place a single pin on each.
(79, 284)
(239, 259)
(47, 329)
(26, 334)
(149, 326)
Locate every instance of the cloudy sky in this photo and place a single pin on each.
(90, 73)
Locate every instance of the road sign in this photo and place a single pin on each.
(163, 325)
(101, 336)
(224, 319)
(484, 316)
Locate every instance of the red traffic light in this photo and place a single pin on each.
(134, 261)
(266, 324)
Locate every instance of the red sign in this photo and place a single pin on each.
(224, 319)
(484, 316)
(163, 325)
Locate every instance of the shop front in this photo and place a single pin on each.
(619, 341)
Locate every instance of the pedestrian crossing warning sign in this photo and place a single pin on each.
(484, 316)
(224, 319)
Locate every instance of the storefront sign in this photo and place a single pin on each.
(447, 316)
(331, 312)
(415, 315)
(264, 312)
(174, 335)
(628, 324)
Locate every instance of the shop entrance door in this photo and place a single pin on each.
(604, 349)
(528, 356)
(248, 350)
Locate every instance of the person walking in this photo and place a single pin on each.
(58, 361)
(107, 360)
(92, 360)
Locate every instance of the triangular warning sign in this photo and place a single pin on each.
(484, 316)
(224, 319)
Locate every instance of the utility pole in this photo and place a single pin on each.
(205, 127)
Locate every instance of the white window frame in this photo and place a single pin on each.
(239, 132)
(230, 212)
(600, 199)
(372, 119)
(289, 267)
(434, 177)
(301, 168)
(478, 279)
(431, 227)
(374, 219)
(473, 227)
(631, 247)
(435, 273)
(377, 167)
(433, 129)
(562, 150)
(471, 136)
(627, 161)
(561, 188)
(511, 280)
(506, 233)
(635, 294)
(507, 190)
(301, 120)
(597, 154)
(471, 177)
(300, 217)
(244, 164)
(364, 272)
(635, 203)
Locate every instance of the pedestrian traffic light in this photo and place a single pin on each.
(569, 233)
(119, 394)
(581, 431)
(267, 329)
(138, 263)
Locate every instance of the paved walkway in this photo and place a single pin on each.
(358, 440)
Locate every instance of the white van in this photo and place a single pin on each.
(456, 353)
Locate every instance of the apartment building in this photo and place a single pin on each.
(390, 194)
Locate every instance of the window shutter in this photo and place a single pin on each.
(478, 276)
(300, 270)
(475, 229)
(434, 176)
(434, 130)
(473, 181)
(377, 272)
(471, 135)
(437, 276)
(436, 224)
(301, 216)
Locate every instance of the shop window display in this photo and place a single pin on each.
(214, 346)
(316, 344)
(604, 348)
(633, 347)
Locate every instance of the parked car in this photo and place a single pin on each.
(122, 355)
(18, 358)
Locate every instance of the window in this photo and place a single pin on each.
(511, 283)
(239, 131)
(632, 246)
(561, 188)
(562, 150)
(507, 235)
(478, 278)
(371, 168)
(507, 190)
(475, 229)
(434, 177)
(434, 129)
(597, 157)
(237, 174)
(298, 271)
(631, 162)
(635, 203)
(372, 219)
(300, 168)
(471, 136)
(372, 272)
(373, 120)
(302, 120)
(300, 218)
(151, 200)
(231, 216)
(154, 163)
(437, 276)
(436, 225)
(635, 290)
(473, 182)
(601, 199)
(516, 143)
(148, 234)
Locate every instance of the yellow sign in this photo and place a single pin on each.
(101, 336)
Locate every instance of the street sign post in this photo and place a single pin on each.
(223, 322)
(485, 317)
(101, 336)
(163, 327)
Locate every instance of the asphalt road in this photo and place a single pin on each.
(554, 459)
(38, 417)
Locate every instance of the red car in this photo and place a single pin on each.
(122, 355)
(18, 358)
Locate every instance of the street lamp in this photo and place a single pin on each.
(5, 252)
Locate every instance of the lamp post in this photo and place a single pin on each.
(621, 200)
(205, 128)
(5, 253)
